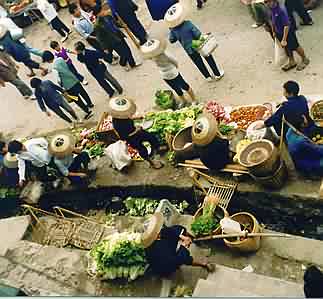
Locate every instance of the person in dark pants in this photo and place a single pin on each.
(111, 38)
(85, 28)
(70, 83)
(91, 58)
(47, 94)
(313, 281)
(185, 33)
(126, 10)
(298, 7)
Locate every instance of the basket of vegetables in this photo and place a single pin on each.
(205, 45)
(207, 219)
(120, 255)
(164, 99)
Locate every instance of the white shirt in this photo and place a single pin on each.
(16, 32)
(167, 66)
(36, 152)
(47, 10)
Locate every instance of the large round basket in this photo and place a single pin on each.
(10, 161)
(261, 157)
(153, 48)
(61, 145)
(275, 181)
(183, 146)
(250, 223)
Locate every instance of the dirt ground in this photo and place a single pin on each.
(245, 53)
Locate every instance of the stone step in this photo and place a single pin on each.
(232, 282)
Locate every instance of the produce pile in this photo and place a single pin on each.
(245, 116)
(120, 255)
(15, 8)
(217, 111)
(198, 43)
(9, 193)
(164, 99)
(318, 139)
(170, 122)
(106, 124)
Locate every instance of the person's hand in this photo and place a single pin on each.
(186, 241)
(48, 114)
(283, 43)
(21, 183)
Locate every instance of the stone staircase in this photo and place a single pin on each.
(232, 282)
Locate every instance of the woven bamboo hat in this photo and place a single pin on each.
(10, 160)
(153, 48)
(205, 129)
(61, 145)
(121, 107)
(152, 228)
(176, 15)
(3, 31)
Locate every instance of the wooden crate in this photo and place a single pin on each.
(109, 136)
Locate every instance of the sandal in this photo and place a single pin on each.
(288, 67)
(303, 64)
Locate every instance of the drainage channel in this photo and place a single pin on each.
(283, 214)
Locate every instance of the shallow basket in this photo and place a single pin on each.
(261, 157)
(183, 137)
(250, 244)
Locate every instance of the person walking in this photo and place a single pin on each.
(9, 73)
(286, 35)
(298, 7)
(91, 58)
(18, 52)
(111, 38)
(84, 26)
(70, 83)
(63, 53)
(51, 95)
(126, 10)
(50, 14)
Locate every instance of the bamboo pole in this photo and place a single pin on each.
(244, 235)
(129, 33)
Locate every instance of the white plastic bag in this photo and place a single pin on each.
(230, 226)
(280, 54)
(118, 154)
(209, 46)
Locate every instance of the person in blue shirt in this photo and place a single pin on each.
(92, 60)
(49, 94)
(296, 105)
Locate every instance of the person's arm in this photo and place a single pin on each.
(40, 101)
(172, 37)
(284, 40)
(276, 118)
(21, 170)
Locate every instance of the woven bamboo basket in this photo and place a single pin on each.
(316, 112)
(250, 223)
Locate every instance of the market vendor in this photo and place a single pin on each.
(62, 147)
(296, 105)
(167, 248)
(121, 110)
(212, 147)
(8, 166)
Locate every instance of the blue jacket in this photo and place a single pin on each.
(47, 95)
(307, 156)
(91, 59)
(185, 33)
(294, 106)
(15, 48)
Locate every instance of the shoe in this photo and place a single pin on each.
(27, 97)
(115, 60)
(111, 95)
(120, 92)
(91, 105)
(127, 68)
(88, 115)
(307, 24)
(138, 64)
(68, 33)
(218, 78)
(255, 25)
(303, 64)
(64, 38)
(85, 82)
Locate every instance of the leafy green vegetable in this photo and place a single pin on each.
(225, 129)
(164, 99)
(197, 43)
(96, 150)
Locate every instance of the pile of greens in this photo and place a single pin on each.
(9, 193)
(170, 122)
(197, 43)
(164, 99)
(207, 222)
(225, 129)
(121, 255)
(97, 150)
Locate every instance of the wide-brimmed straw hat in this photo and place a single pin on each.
(121, 107)
(3, 31)
(10, 160)
(176, 15)
(205, 129)
(153, 48)
(152, 229)
(62, 145)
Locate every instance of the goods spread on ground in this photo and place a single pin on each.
(164, 99)
(17, 7)
(120, 255)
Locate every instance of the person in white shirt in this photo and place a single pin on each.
(50, 14)
(32, 156)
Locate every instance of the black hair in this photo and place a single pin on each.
(313, 280)
(2, 145)
(35, 82)
(72, 8)
(54, 44)
(79, 46)
(14, 146)
(48, 56)
(291, 87)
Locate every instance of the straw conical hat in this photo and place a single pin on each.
(3, 31)
(121, 107)
(153, 48)
(176, 14)
(61, 145)
(152, 228)
(205, 129)
(10, 161)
